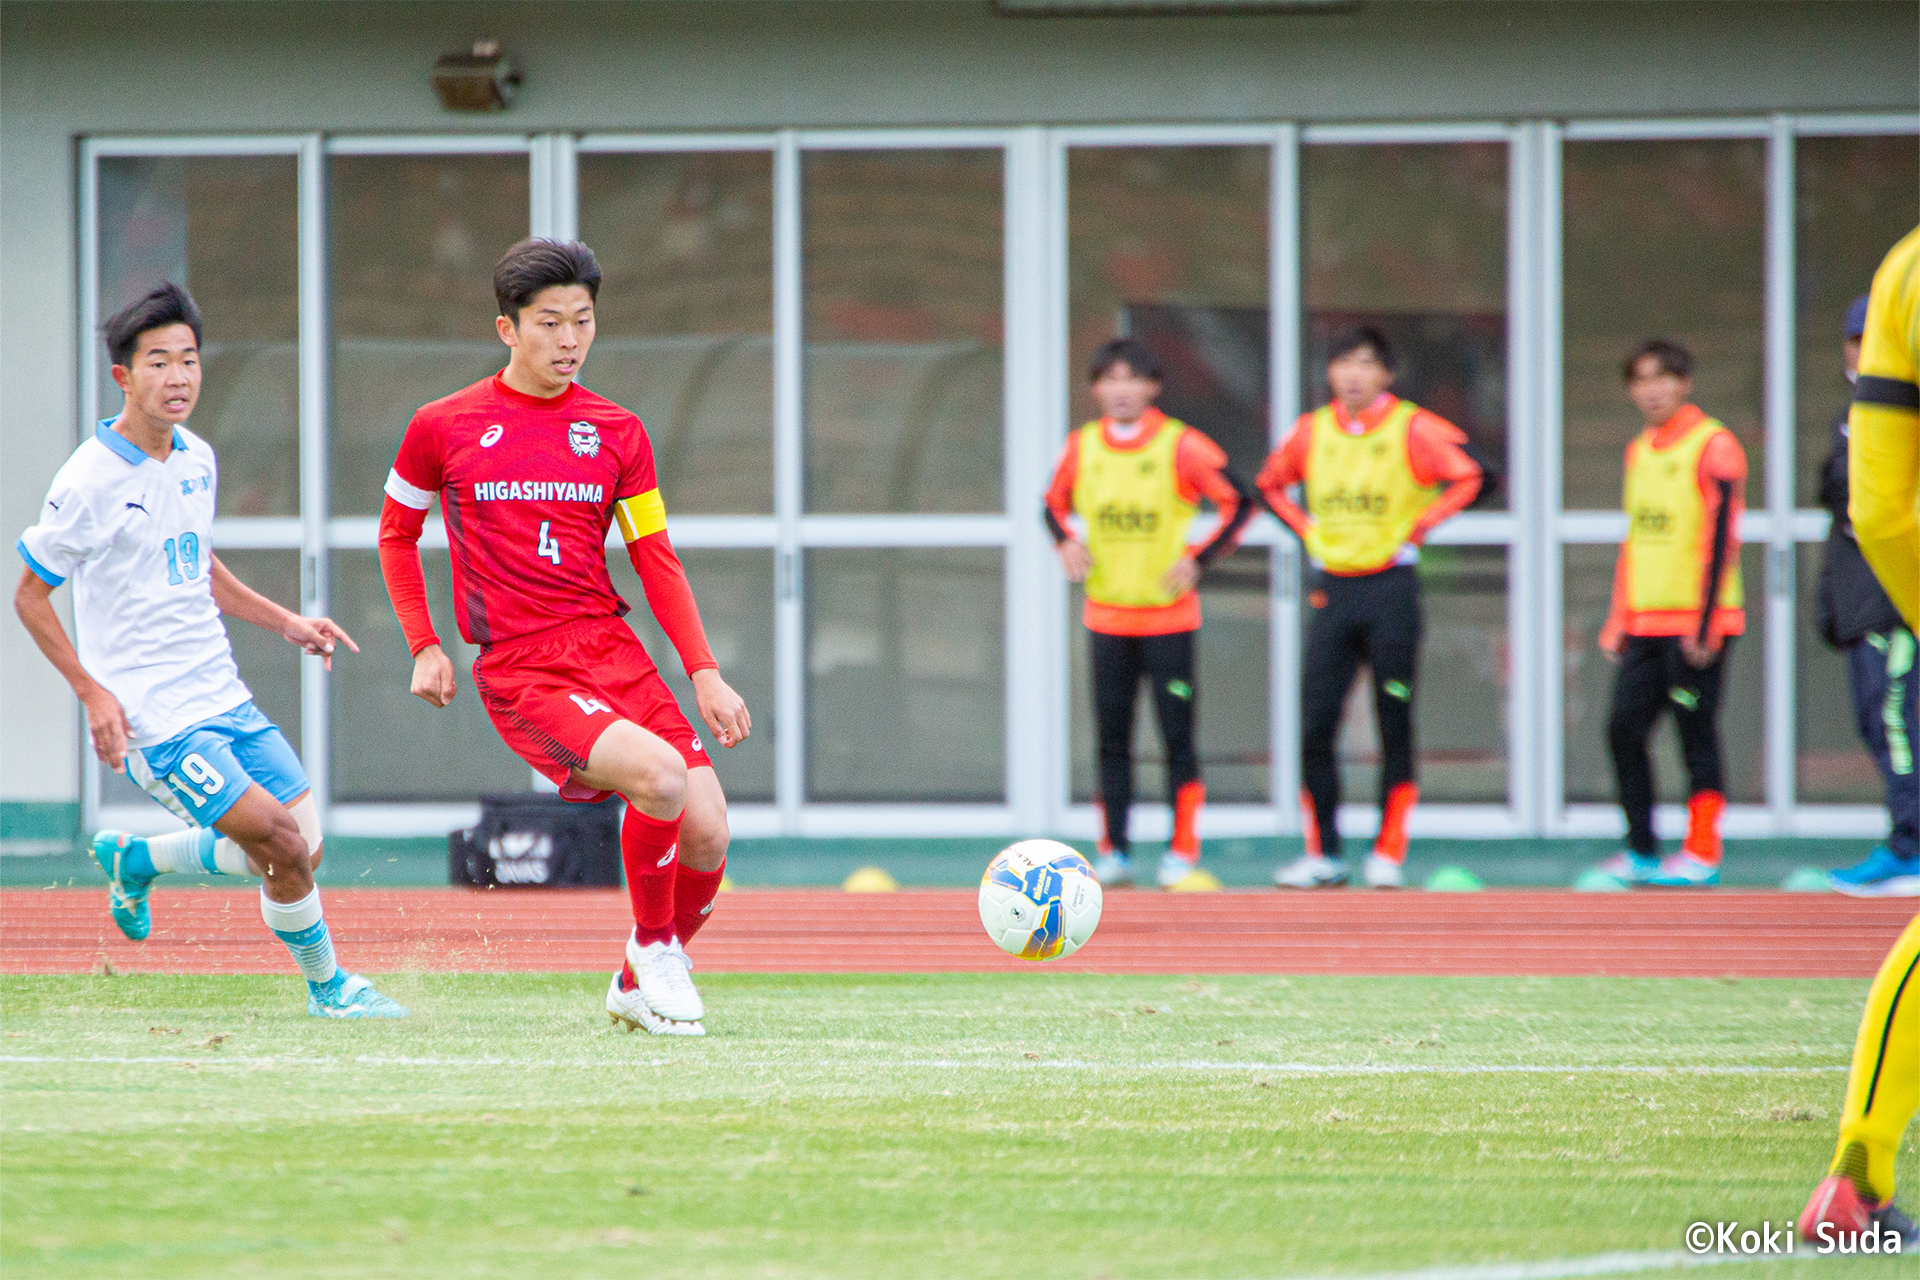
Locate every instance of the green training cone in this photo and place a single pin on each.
(1594, 880)
(1454, 880)
(1806, 880)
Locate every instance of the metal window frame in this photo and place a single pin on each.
(1777, 524)
(1535, 529)
(295, 532)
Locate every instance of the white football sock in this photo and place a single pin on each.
(181, 851)
(229, 859)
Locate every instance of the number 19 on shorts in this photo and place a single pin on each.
(197, 780)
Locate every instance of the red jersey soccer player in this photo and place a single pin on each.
(531, 469)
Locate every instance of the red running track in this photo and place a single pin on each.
(1644, 934)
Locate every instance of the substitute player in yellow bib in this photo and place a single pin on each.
(1135, 478)
(1883, 1087)
(1376, 473)
(1677, 606)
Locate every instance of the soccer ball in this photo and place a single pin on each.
(1039, 900)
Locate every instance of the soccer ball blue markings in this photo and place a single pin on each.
(1039, 900)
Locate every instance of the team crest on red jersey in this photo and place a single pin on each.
(584, 439)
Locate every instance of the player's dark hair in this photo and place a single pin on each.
(162, 306)
(1132, 352)
(1674, 358)
(537, 263)
(1364, 336)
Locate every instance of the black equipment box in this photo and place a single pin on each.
(537, 840)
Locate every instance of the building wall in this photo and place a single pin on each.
(71, 69)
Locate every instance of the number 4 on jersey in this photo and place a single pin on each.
(549, 546)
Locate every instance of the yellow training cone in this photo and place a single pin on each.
(870, 880)
(1197, 881)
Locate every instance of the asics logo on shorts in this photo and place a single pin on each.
(696, 745)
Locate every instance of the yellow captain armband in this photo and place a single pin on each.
(640, 515)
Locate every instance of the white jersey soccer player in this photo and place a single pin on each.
(129, 520)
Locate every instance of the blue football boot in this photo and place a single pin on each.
(130, 872)
(348, 995)
(1881, 874)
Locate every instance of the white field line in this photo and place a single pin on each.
(1599, 1264)
(945, 1064)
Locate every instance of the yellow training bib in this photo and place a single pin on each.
(1136, 521)
(1667, 537)
(1361, 492)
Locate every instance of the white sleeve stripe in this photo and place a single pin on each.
(405, 494)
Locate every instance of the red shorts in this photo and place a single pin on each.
(552, 695)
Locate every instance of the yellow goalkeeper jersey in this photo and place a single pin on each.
(1884, 429)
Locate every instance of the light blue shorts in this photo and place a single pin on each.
(202, 772)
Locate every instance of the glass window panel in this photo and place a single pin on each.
(684, 319)
(1588, 677)
(735, 594)
(269, 665)
(1853, 198)
(1236, 760)
(1412, 239)
(412, 243)
(903, 330)
(1460, 715)
(1831, 764)
(387, 744)
(1170, 244)
(906, 694)
(1461, 730)
(1660, 239)
(227, 228)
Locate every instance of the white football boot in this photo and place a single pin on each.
(1383, 873)
(628, 1011)
(1311, 871)
(662, 970)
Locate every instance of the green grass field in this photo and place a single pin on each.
(1036, 1125)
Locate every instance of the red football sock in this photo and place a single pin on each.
(1391, 843)
(1703, 825)
(1309, 824)
(1186, 819)
(693, 893)
(647, 848)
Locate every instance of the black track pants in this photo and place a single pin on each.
(1655, 678)
(1118, 664)
(1373, 620)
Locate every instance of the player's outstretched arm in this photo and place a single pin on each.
(317, 636)
(106, 718)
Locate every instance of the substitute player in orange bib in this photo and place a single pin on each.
(1136, 478)
(1676, 610)
(1376, 473)
(531, 470)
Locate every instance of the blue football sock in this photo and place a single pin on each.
(303, 929)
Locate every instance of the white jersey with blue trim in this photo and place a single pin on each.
(135, 535)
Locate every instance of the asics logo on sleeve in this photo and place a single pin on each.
(492, 436)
